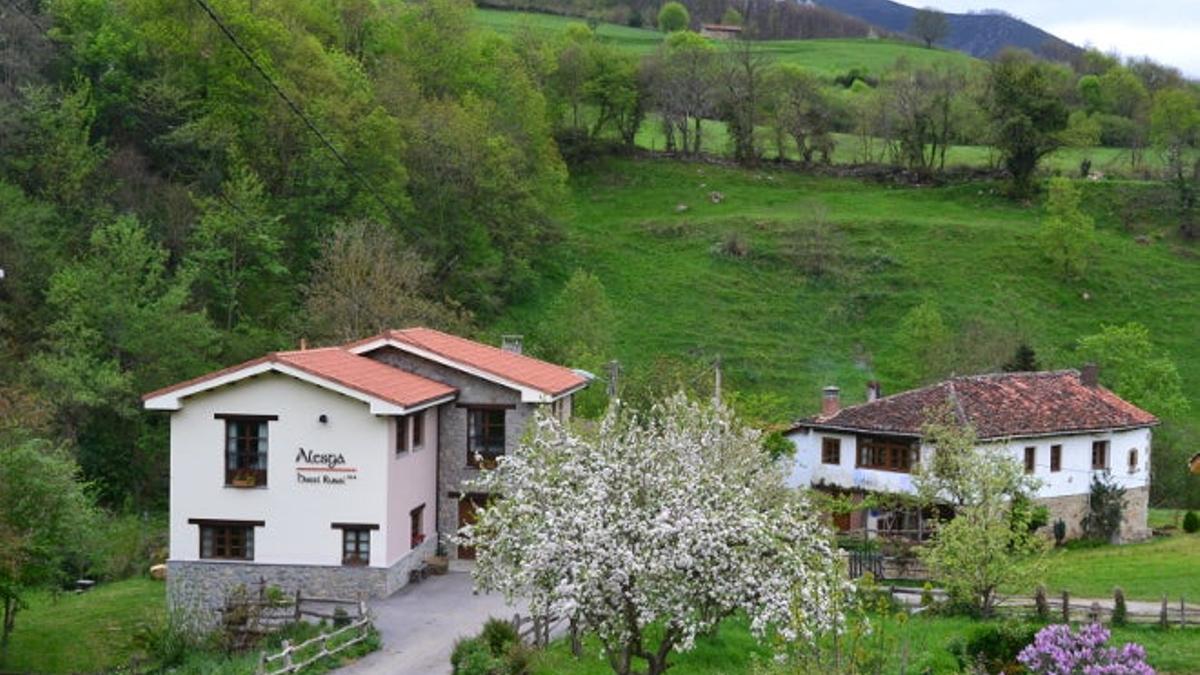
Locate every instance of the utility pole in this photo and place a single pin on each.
(614, 369)
(717, 381)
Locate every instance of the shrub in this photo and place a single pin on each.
(166, 643)
(1191, 522)
(1056, 649)
(1106, 509)
(497, 650)
(1060, 532)
(471, 656)
(994, 647)
(673, 17)
(733, 244)
(498, 634)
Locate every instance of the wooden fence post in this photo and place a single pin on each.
(1182, 613)
(287, 656)
(1094, 613)
(1066, 606)
(1162, 616)
(262, 663)
(296, 609)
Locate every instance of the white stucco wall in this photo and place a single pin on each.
(297, 515)
(412, 481)
(1074, 478)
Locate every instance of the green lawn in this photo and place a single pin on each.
(88, 632)
(781, 332)
(923, 638)
(1145, 571)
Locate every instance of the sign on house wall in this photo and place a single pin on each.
(323, 468)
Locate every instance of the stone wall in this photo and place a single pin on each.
(1071, 510)
(197, 589)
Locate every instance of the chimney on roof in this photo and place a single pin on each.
(874, 391)
(831, 401)
(512, 343)
(1089, 375)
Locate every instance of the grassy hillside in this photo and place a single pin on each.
(778, 330)
(829, 57)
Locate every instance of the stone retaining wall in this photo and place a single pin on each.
(197, 589)
(1072, 509)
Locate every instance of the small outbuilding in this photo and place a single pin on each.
(718, 31)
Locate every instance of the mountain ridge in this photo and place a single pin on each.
(983, 35)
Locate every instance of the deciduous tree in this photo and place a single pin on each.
(44, 514)
(1026, 113)
(930, 25)
(366, 281)
(1068, 235)
(673, 17)
(988, 545)
(1132, 367)
(650, 531)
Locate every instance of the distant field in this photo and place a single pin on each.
(781, 332)
(828, 57)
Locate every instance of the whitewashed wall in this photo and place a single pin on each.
(298, 516)
(1073, 479)
(412, 481)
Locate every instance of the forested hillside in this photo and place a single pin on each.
(187, 184)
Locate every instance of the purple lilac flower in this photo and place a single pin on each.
(1056, 650)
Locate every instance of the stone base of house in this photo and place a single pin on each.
(198, 589)
(1072, 509)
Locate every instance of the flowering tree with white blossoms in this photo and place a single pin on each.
(651, 530)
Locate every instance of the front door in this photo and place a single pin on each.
(466, 516)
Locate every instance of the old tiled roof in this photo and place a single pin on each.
(339, 366)
(998, 406)
(548, 378)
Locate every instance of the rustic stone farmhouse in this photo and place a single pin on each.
(1062, 426)
(337, 471)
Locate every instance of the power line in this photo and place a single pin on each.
(296, 109)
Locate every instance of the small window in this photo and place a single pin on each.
(1030, 459)
(1099, 455)
(402, 435)
(226, 541)
(246, 451)
(1055, 458)
(485, 435)
(418, 430)
(1133, 460)
(356, 546)
(831, 450)
(416, 519)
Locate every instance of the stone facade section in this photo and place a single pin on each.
(453, 471)
(197, 589)
(1072, 509)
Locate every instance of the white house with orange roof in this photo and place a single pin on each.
(337, 471)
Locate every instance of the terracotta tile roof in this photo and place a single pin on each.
(548, 378)
(997, 405)
(335, 364)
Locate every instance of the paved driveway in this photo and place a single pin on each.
(419, 624)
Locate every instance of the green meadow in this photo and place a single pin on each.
(649, 230)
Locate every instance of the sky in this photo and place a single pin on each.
(1165, 30)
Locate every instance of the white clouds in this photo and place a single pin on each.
(1165, 30)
